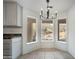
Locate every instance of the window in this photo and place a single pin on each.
(47, 30)
(31, 30)
(62, 30)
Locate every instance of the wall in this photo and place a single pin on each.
(47, 44)
(59, 44)
(12, 30)
(71, 28)
(55, 43)
(28, 47)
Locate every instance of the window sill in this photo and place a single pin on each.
(62, 42)
(47, 40)
(31, 42)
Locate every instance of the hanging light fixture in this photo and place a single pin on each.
(54, 15)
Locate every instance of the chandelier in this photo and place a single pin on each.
(42, 16)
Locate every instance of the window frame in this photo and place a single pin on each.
(34, 21)
(62, 21)
(46, 21)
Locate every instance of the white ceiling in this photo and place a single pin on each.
(35, 5)
(59, 5)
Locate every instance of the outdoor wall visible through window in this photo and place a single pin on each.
(31, 30)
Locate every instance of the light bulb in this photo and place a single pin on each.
(41, 9)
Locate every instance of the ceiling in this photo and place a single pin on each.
(59, 5)
(35, 5)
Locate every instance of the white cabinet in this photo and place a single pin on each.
(16, 47)
(12, 14)
(12, 48)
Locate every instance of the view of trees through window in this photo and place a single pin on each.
(47, 30)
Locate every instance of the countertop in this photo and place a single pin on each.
(10, 36)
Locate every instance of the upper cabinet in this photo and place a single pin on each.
(12, 14)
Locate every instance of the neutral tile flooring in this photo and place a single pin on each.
(47, 54)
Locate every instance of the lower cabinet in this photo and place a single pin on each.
(16, 47)
(12, 48)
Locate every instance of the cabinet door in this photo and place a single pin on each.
(4, 9)
(19, 15)
(11, 13)
(16, 47)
